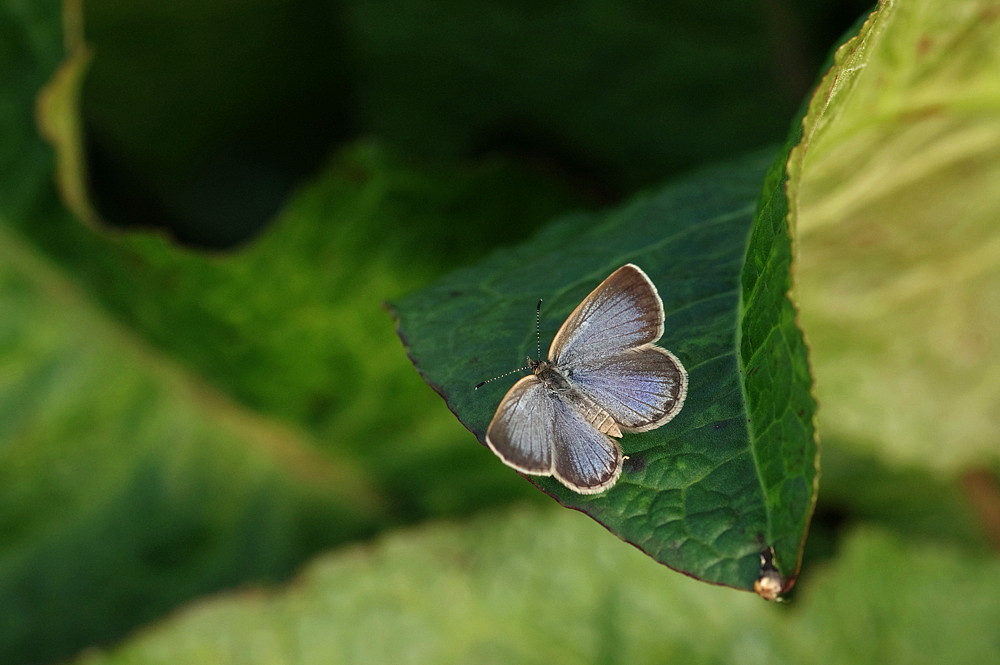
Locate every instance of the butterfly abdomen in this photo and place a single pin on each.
(600, 419)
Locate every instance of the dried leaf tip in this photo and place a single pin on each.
(769, 583)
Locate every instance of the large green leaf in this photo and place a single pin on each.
(128, 485)
(172, 423)
(544, 587)
(894, 190)
(735, 471)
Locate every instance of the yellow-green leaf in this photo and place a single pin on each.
(896, 198)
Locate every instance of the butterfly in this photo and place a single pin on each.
(603, 376)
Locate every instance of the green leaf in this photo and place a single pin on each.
(127, 485)
(735, 471)
(172, 423)
(482, 592)
(890, 600)
(894, 190)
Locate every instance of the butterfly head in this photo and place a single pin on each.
(537, 366)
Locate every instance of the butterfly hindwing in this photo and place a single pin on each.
(640, 388)
(536, 432)
(521, 432)
(585, 460)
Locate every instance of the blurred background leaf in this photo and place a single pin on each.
(482, 592)
(177, 422)
(131, 484)
(901, 297)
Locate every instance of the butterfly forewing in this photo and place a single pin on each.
(641, 388)
(585, 460)
(521, 432)
(623, 312)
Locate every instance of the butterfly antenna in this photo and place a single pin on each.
(538, 348)
(483, 383)
(538, 330)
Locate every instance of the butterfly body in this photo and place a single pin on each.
(558, 383)
(603, 376)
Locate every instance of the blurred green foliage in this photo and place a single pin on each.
(175, 421)
(477, 593)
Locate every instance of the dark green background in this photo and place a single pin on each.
(201, 116)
